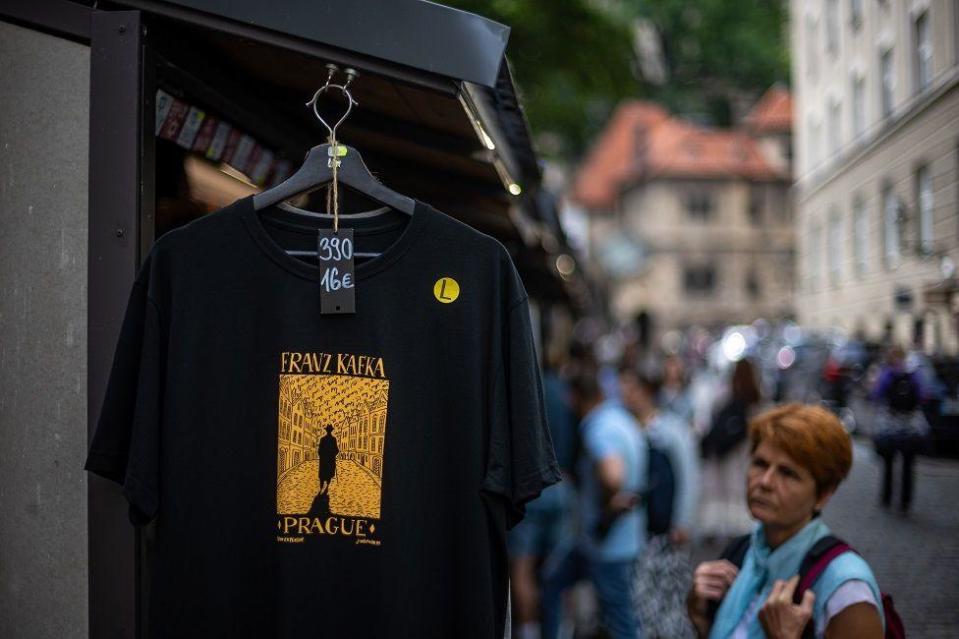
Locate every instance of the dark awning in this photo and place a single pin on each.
(420, 35)
(438, 115)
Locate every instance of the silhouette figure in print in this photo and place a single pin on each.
(327, 450)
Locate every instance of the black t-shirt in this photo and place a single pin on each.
(326, 475)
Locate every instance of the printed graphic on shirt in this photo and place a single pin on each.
(330, 445)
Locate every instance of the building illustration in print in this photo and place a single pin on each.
(366, 435)
(297, 442)
(331, 439)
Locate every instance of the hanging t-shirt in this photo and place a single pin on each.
(326, 475)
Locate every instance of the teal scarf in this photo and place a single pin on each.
(761, 568)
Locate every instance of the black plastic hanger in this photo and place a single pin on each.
(315, 173)
(317, 170)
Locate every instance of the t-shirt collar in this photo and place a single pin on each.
(255, 226)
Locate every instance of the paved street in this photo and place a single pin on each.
(353, 492)
(916, 557)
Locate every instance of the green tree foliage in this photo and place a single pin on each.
(719, 54)
(574, 60)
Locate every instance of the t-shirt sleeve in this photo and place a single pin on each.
(599, 443)
(833, 595)
(848, 594)
(125, 444)
(521, 461)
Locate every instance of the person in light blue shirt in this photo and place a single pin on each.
(611, 473)
(662, 571)
(666, 432)
(611, 470)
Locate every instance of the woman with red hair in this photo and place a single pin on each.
(799, 456)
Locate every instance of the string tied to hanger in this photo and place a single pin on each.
(332, 191)
(335, 150)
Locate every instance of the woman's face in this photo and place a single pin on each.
(779, 491)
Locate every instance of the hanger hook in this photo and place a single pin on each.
(350, 75)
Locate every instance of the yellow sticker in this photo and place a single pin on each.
(446, 290)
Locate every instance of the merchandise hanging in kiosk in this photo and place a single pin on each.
(328, 388)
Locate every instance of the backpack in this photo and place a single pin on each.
(660, 492)
(812, 566)
(728, 429)
(902, 396)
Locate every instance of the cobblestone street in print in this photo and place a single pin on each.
(353, 492)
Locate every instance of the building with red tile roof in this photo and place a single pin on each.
(692, 223)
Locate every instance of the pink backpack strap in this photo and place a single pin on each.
(816, 561)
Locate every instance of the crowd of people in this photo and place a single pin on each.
(655, 466)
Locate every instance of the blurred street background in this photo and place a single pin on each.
(771, 182)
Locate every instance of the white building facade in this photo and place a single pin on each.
(876, 130)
